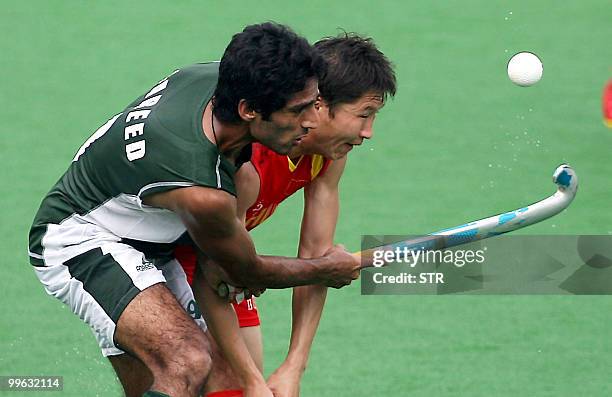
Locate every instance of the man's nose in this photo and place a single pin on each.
(310, 118)
(368, 130)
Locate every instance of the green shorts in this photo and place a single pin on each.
(98, 278)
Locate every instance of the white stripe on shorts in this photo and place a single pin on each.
(59, 283)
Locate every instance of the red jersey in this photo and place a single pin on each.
(279, 178)
(607, 104)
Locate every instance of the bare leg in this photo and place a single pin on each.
(157, 330)
(253, 340)
(134, 376)
(221, 375)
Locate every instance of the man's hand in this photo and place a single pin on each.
(219, 281)
(343, 267)
(285, 382)
(214, 275)
(230, 293)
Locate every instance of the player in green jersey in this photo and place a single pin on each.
(101, 239)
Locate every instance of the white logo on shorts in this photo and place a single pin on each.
(146, 265)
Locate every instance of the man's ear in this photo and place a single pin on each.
(323, 107)
(318, 102)
(246, 113)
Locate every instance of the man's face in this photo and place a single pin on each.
(288, 126)
(349, 125)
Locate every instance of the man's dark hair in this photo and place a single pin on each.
(265, 64)
(354, 67)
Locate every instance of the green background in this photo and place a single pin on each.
(459, 142)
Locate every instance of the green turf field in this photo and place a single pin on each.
(459, 142)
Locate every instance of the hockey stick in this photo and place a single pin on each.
(567, 184)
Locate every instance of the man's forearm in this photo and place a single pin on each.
(317, 236)
(308, 302)
(222, 322)
(282, 272)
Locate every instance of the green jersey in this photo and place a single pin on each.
(155, 144)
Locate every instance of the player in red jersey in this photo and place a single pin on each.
(275, 177)
(606, 102)
(353, 89)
